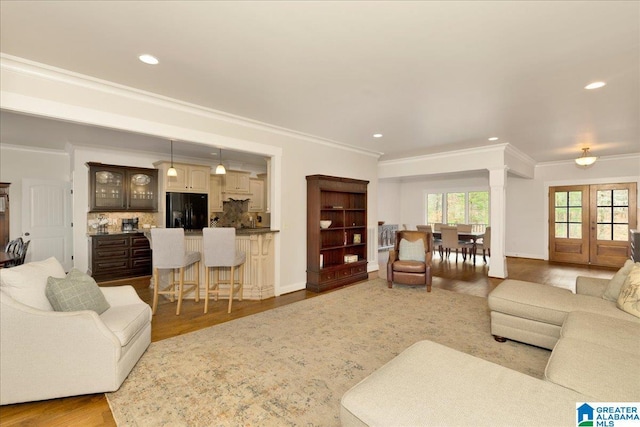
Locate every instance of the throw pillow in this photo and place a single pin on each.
(77, 291)
(616, 282)
(629, 298)
(411, 251)
(26, 283)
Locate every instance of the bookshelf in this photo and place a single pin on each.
(336, 255)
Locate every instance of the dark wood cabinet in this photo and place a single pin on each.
(120, 188)
(4, 213)
(634, 244)
(336, 255)
(119, 256)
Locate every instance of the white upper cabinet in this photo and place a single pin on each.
(236, 182)
(190, 179)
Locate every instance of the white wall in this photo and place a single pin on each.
(40, 91)
(389, 209)
(527, 225)
(17, 163)
(412, 193)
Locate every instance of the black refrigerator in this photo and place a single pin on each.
(187, 210)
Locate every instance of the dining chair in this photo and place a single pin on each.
(450, 241)
(484, 243)
(436, 243)
(219, 247)
(169, 253)
(17, 248)
(466, 228)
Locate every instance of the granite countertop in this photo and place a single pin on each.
(239, 232)
(114, 233)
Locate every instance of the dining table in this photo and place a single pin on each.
(466, 236)
(7, 258)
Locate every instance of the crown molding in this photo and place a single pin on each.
(27, 67)
(600, 159)
(30, 149)
(493, 148)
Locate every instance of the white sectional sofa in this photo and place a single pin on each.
(47, 354)
(595, 357)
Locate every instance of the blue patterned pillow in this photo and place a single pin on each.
(77, 291)
(411, 251)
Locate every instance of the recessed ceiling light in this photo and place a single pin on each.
(493, 138)
(148, 59)
(595, 85)
(377, 135)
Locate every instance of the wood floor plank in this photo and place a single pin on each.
(464, 277)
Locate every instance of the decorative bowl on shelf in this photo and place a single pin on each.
(380, 222)
(325, 223)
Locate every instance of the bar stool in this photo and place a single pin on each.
(219, 247)
(169, 253)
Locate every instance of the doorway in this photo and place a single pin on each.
(589, 224)
(46, 220)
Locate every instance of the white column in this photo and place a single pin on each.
(498, 184)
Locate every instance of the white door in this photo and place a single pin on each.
(46, 220)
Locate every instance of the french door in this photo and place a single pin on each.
(589, 224)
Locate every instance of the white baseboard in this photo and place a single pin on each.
(291, 288)
(521, 255)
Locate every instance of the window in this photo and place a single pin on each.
(479, 207)
(568, 213)
(435, 208)
(456, 207)
(470, 207)
(613, 214)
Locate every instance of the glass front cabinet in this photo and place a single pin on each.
(121, 188)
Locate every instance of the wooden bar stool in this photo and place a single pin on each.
(169, 253)
(219, 247)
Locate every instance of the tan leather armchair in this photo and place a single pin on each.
(410, 272)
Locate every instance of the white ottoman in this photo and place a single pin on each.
(429, 384)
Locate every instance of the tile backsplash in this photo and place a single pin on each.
(114, 219)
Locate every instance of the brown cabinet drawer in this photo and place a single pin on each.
(111, 264)
(359, 269)
(111, 242)
(141, 253)
(139, 241)
(120, 256)
(328, 275)
(112, 253)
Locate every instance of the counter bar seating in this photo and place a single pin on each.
(219, 247)
(169, 253)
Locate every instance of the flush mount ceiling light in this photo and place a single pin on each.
(172, 171)
(586, 159)
(594, 85)
(220, 170)
(148, 59)
(377, 135)
(493, 138)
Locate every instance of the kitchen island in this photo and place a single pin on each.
(258, 269)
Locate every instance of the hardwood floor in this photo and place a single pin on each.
(463, 277)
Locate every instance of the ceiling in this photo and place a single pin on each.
(430, 76)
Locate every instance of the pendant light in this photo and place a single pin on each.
(586, 159)
(172, 171)
(220, 170)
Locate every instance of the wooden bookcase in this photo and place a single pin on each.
(343, 201)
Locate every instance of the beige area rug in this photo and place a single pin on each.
(290, 366)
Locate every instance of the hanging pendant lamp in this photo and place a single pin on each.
(172, 171)
(586, 159)
(220, 170)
